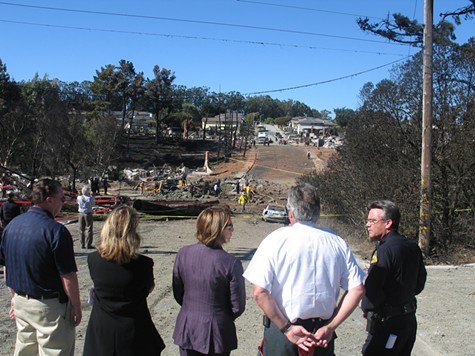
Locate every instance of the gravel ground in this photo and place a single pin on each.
(445, 314)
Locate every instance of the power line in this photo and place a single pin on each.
(309, 9)
(326, 81)
(197, 22)
(262, 43)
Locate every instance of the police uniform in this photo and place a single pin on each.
(396, 275)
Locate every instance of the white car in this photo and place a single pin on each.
(275, 213)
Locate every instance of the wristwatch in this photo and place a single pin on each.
(286, 327)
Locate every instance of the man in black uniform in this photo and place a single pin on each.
(396, 275)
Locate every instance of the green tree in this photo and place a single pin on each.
(158, 95)
(191, 119)
(75, 144)
(343, 116)
(46, 116)
(102, 137)
(282, 121)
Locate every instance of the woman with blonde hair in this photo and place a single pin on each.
(208, 284)
(120, 322)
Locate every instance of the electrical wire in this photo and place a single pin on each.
(197, 22)
(325, 81)
(262, 43)
(309, 9)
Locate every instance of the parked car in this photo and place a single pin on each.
(275, 213)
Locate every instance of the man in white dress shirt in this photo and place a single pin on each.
(297, 273)
(86, 220)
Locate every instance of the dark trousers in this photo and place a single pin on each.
(185, 352)
(277, 344)
(85, 228)
(404, 327)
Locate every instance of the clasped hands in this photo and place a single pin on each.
(306, 340)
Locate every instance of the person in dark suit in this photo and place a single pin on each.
(209, 286)
(120, 322)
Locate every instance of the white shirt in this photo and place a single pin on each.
(85, 203)
(304, 267)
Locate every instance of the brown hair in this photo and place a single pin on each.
(210, 225)
(119, 238)
(43, 189)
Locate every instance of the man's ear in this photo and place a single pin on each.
(388, 224)
(291, 218)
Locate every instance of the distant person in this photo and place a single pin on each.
(396, 275)
(248, 191)
(217, 187)
(120, 322)
(94, 185)
(308, 154)
(238, 187)
(105, 184)
(85, 203)
(38, 253)
(206, 188)
(242, 201)
(9, 209)
(208, 284)
(297, 273)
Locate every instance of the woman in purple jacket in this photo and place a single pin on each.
(208, 284)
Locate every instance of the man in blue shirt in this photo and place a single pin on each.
(38, 254)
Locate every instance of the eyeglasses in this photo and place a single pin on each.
(374, 221)
(229, 226)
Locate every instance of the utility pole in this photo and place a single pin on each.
(426, 154)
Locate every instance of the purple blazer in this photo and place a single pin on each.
(209, 286)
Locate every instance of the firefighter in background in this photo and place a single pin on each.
(243, 201)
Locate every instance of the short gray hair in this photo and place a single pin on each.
(304, 203)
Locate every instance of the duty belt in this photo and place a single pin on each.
(389, 311)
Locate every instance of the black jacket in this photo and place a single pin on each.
(8, 211)
(396, 274)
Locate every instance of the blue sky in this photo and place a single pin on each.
(225, 45)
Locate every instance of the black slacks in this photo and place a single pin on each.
(395, 336)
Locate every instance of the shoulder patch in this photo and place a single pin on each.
(374, 258)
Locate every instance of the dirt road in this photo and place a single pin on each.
(446, 306)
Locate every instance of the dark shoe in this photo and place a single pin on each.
(83, 247)
(90, 247)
